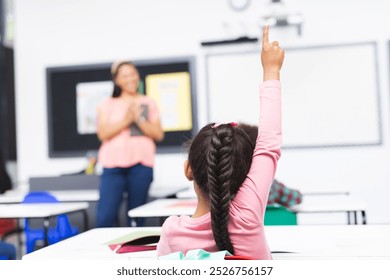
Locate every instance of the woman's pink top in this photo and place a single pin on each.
(125, 150)
(247, 209)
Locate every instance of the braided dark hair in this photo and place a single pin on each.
(251, 130)
(220, 159)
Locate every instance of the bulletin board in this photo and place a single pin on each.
(73, 93)
(330, 94)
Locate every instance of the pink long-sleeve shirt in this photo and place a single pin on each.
(247, 209)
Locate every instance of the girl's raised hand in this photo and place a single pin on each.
(272, 56)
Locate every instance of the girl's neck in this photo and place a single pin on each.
(203, 206)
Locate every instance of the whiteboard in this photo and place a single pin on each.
(330, 94)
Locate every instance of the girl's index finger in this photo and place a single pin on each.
(265, 34)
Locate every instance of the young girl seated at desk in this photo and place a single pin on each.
(232, 178)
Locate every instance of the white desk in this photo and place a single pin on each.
(330, 241)
(44, 211)
(301, 242)
(324, 191)
(76, 195)
(190, 192)
(332, 204)
(91, 245)
(310, 204)
(164, 192)
(16, 196)
(164, 208)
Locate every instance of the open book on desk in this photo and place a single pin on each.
(135, 242)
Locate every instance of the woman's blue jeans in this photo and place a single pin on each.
(114, 182)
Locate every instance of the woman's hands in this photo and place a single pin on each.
(133, 114)
(106, 129)
(151, 129)
(272, 57)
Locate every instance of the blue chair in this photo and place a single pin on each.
(62, 230)
(7, 251)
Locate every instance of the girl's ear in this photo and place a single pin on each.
(188, 171)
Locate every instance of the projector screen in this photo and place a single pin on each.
(330, 94)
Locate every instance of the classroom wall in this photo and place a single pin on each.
(71, 32)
